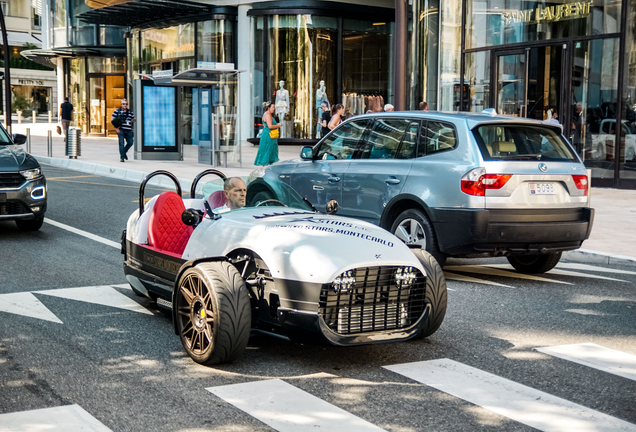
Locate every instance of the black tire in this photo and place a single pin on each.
(436, 294)
(261, 196)
(30, 224)
(213, 313)
(531, 264)
(413, 228)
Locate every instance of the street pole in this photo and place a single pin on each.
(399, 59)
(7, 76)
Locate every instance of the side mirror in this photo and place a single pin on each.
(332, 207)
(19, 139)
(307, 153)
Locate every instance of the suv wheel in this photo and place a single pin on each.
(413, 228)
(530, 264)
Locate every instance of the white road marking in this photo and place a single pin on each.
(83, 233)
(289, 409)
(510, 399)
(502, 273)
(558, 272)
(597, 357)
(575, 266)
(70, 418)
(463, 278)
(28, 305)
(101, 295)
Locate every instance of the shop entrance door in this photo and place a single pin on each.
(529, 81)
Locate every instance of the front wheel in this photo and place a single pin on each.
(30, 224)
(413, 228)
(436, 295)
(530, 264)
(213, 313)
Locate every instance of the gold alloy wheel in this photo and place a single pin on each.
(195, 313)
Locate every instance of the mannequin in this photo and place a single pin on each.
(321, 95)
(282, 107)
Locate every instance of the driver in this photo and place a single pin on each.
(235, 191)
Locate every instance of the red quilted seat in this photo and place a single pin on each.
(217, 199)
(166, 231)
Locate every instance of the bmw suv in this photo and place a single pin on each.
(455, 184)
(22, 184)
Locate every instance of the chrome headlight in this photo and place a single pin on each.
(344, 282)
(405, 276)
(30, 174)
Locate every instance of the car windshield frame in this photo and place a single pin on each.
(5, 139)
(537, 142)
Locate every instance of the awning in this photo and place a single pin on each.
(19, 39)
(46, 56)
(142, 14)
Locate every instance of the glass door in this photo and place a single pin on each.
(115, 91)
(512, 84)
(97, 106)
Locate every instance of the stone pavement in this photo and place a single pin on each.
(613, 238)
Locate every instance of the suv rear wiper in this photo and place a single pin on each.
(522, 157)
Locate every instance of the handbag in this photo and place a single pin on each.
(274, 133)
(58, 129)
(118, 120)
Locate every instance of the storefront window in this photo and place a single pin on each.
(628, 132)
(450, 56)
(498, 22)
(478, 78)
(167, 44)
(301, 72)
(366, 80)
(423, 58)
(594, 97)
(59, 23)
(258, 50)
(77, 83)
(106, 65)
(215, 41)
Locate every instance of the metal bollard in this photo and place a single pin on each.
(19, 117)
(49, 142)
(28, 141)
(50, 116)
(33, 114)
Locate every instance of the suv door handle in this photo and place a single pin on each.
(334, 178)
(392, 181)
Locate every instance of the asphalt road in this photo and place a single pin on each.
(116, 357)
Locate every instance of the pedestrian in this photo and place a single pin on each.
(268, 145)
(423, 106)
(324, 119)
(123, 120)
(389, 108)
(66, 116)
(337, 111)
(554, 117)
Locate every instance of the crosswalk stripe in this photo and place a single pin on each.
(510, 399)
(289, 409)
(498, 272)
(83, 233)
(597, 357)
(101, 295)
(558, 272)
(26, 304)
(576, 266)
(463, 278)
(58, 419)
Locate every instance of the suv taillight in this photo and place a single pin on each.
(580, 181)
(475, 182)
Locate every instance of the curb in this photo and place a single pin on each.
(595, 257)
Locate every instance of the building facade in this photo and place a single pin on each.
(33, 86)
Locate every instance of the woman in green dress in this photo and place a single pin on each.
(268, 147)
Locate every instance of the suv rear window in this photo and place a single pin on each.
(522, 143)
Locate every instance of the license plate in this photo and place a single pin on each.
(542, 189)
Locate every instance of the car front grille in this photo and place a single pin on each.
(11, 179)
(13, 208)
(375, 302)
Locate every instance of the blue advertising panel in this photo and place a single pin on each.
(159, 118)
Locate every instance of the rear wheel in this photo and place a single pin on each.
(213, 313)
(261, 196)
(413, 228)
(436, 294)
(30, 224)
(530, 264)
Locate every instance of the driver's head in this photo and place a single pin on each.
(235, 192)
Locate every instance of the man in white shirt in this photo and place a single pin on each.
(235, 191)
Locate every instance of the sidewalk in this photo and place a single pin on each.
(613, 238)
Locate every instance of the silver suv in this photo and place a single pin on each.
(455, 184)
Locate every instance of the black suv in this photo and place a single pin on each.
(22, 184)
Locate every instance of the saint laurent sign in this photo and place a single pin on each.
(548, 14)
